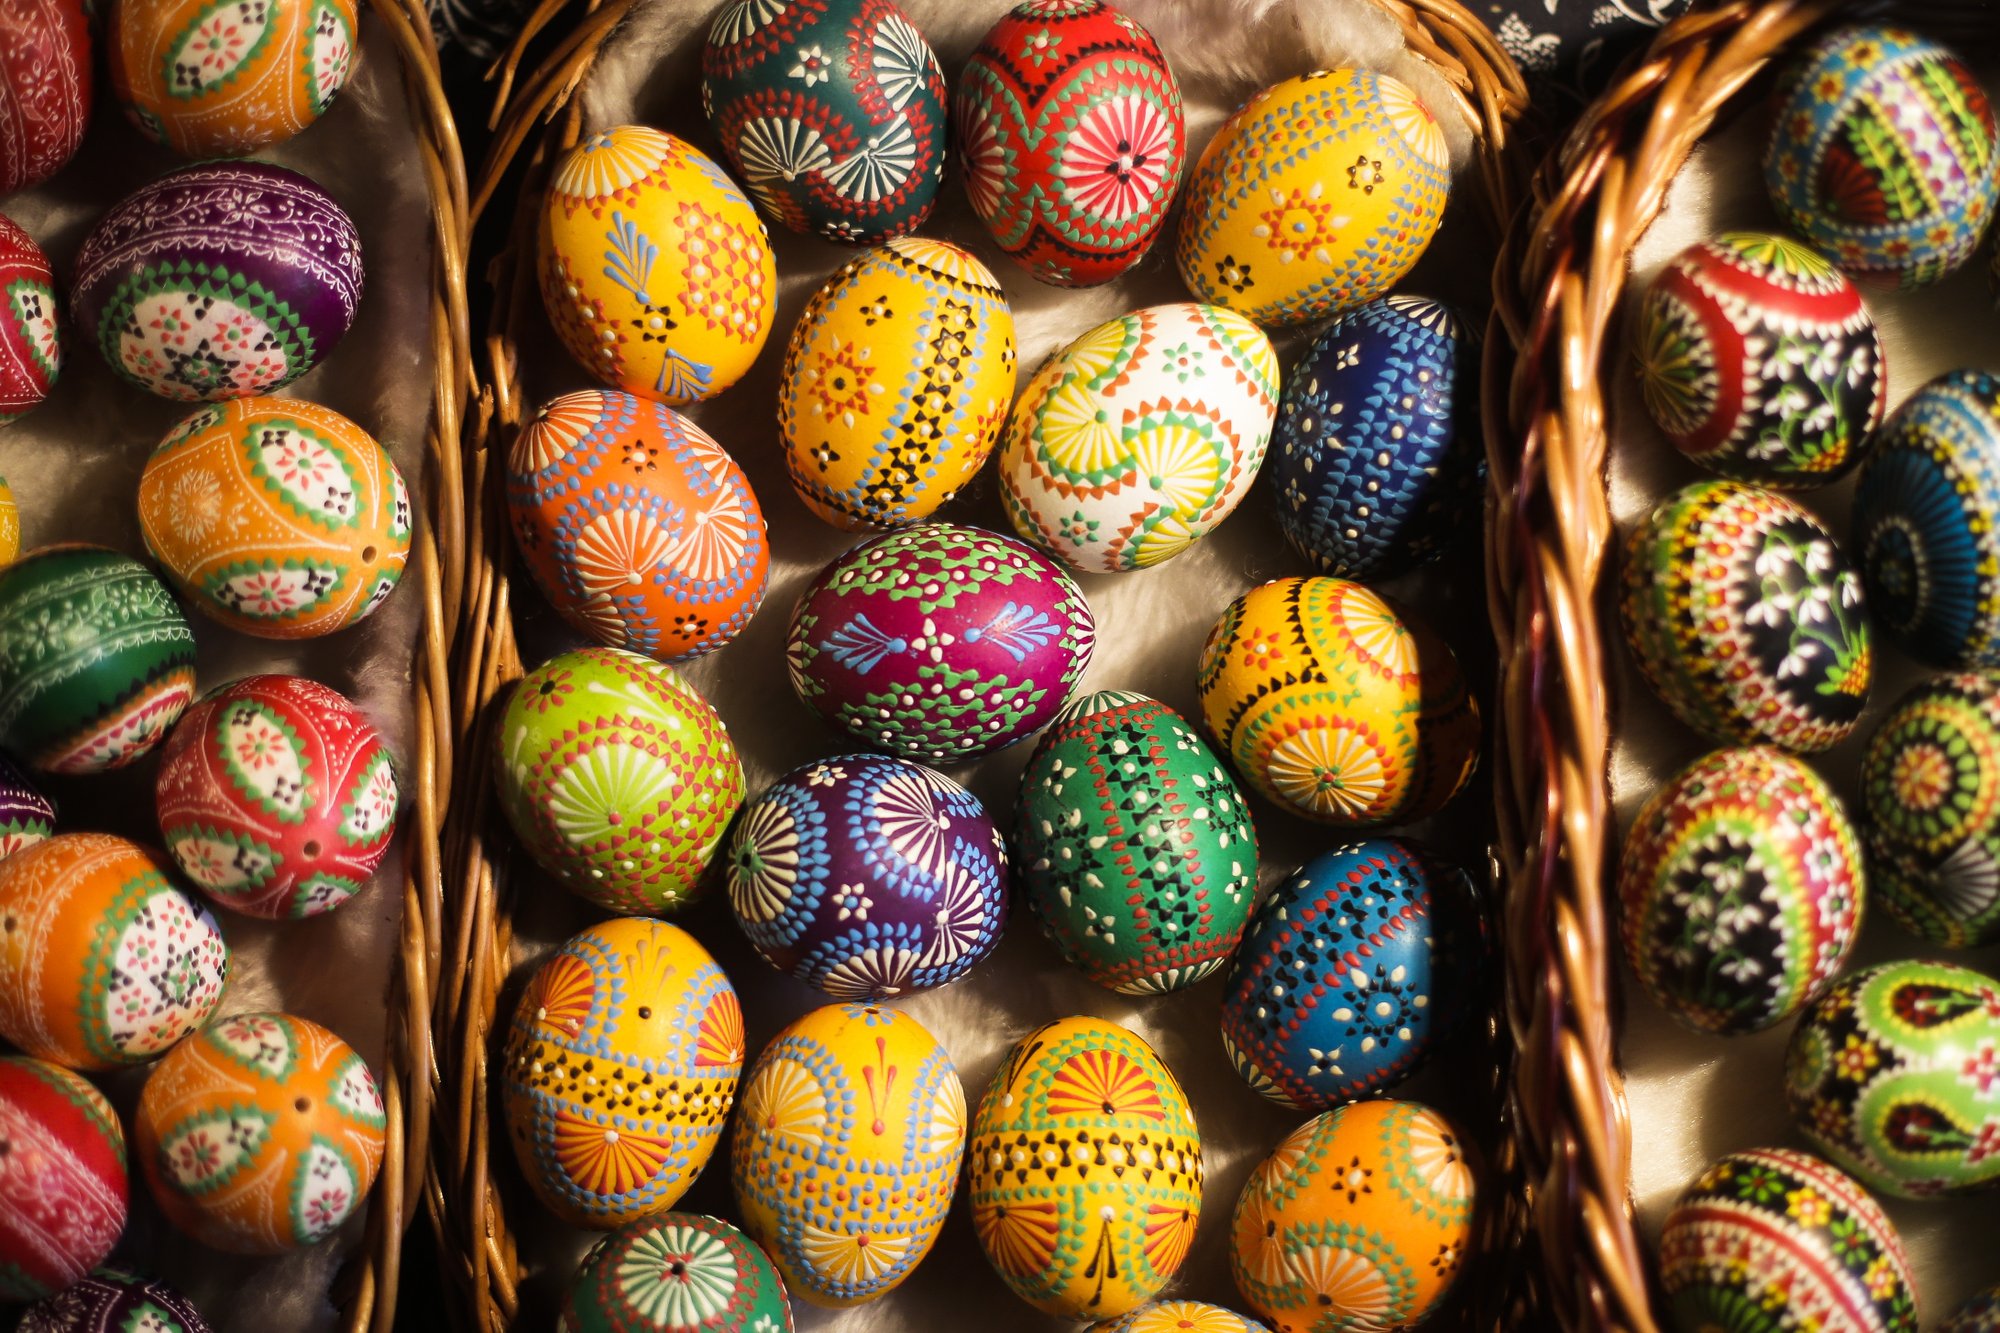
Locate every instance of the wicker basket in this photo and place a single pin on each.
(536, 119)
(1550, 357)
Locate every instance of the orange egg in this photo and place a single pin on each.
(103, 960)
(261, 1134)
(277, 517)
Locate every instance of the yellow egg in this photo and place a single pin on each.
(896, 384)
(1319, 194)
(656, 271)
(620, 1068)
(10, 524)
(847, 1150)
(1085, 1171)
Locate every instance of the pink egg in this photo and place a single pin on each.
(30, 345)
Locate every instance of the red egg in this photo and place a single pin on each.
(30, 346)
(45, 75)
(276, 797)
(62, 1178)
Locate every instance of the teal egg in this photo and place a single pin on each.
(1134, 845)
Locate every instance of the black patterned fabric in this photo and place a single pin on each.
(1569, 48)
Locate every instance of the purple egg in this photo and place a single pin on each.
(217, 281)
(868, 876)
(26, 816)
(109, 1301)
(940, 642)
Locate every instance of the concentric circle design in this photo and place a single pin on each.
(674, 1272)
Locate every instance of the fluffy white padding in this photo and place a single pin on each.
(74, 465)
(1151, 624)
(1696, 1097)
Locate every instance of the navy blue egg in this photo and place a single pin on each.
(1376, 448)
(1351, 973)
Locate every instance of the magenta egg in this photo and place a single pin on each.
(30, 342)
(62, 1179)
(939, 642)
(45, 78)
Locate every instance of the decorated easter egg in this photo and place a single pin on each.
(276, 517)
(217, 281)
(1930, 792)
(225, 80)
(1071, 139)
(1137, 439)
(1882, 153)
(1741, 890)
(1180, 1317)
(10, 524)
(30, 336)
(868, 876)
(45, 86)
(104, 960)
(895, 384)
(1133, 844)
(1979, 1314)
(111, 1300)
(847, 1151)
(1084, 1171)
(620, 1068)
(655, 270)
(62, 1178)
(26, 816)
(1375, 455)
(1360, 1219)
(1775, 1238)
(1759, 361)
(1352, 973)
(1745, 618)
(939, 642)
(1892, 1074)
(1320, 193)
(676, 1273)
(832, 113)
(618, 778)
(1924, 522)
(276, 796)
(636, 525)
(260, 1134)
(96, 659)
(1333, 703)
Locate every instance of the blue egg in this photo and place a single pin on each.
(1924, 512)
(1376, 455)
(868, 876)
(1351, 973)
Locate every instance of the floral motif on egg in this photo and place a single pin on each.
(45, 88)
(868, 876)
(676, 1273)
(1359, 1220)
(62, 1178)
(1930, 790)
(111, 1300)
(1071, 139)
(1774, 1239)
(96, 660)
(224, 78)
(30, 334)
(1883, 154)
(832, 112)
(636, 525)
(655, 270)
(1895, 1075)
(895, 384)
(261, 1134)
(1741, 890)
(620, 1068)
(1334, 704)
(276, 517)
(1925, 534)
(1319, 194)
(939, 642)
(1759, 361)
(1746, 619)
(1180, 1317)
